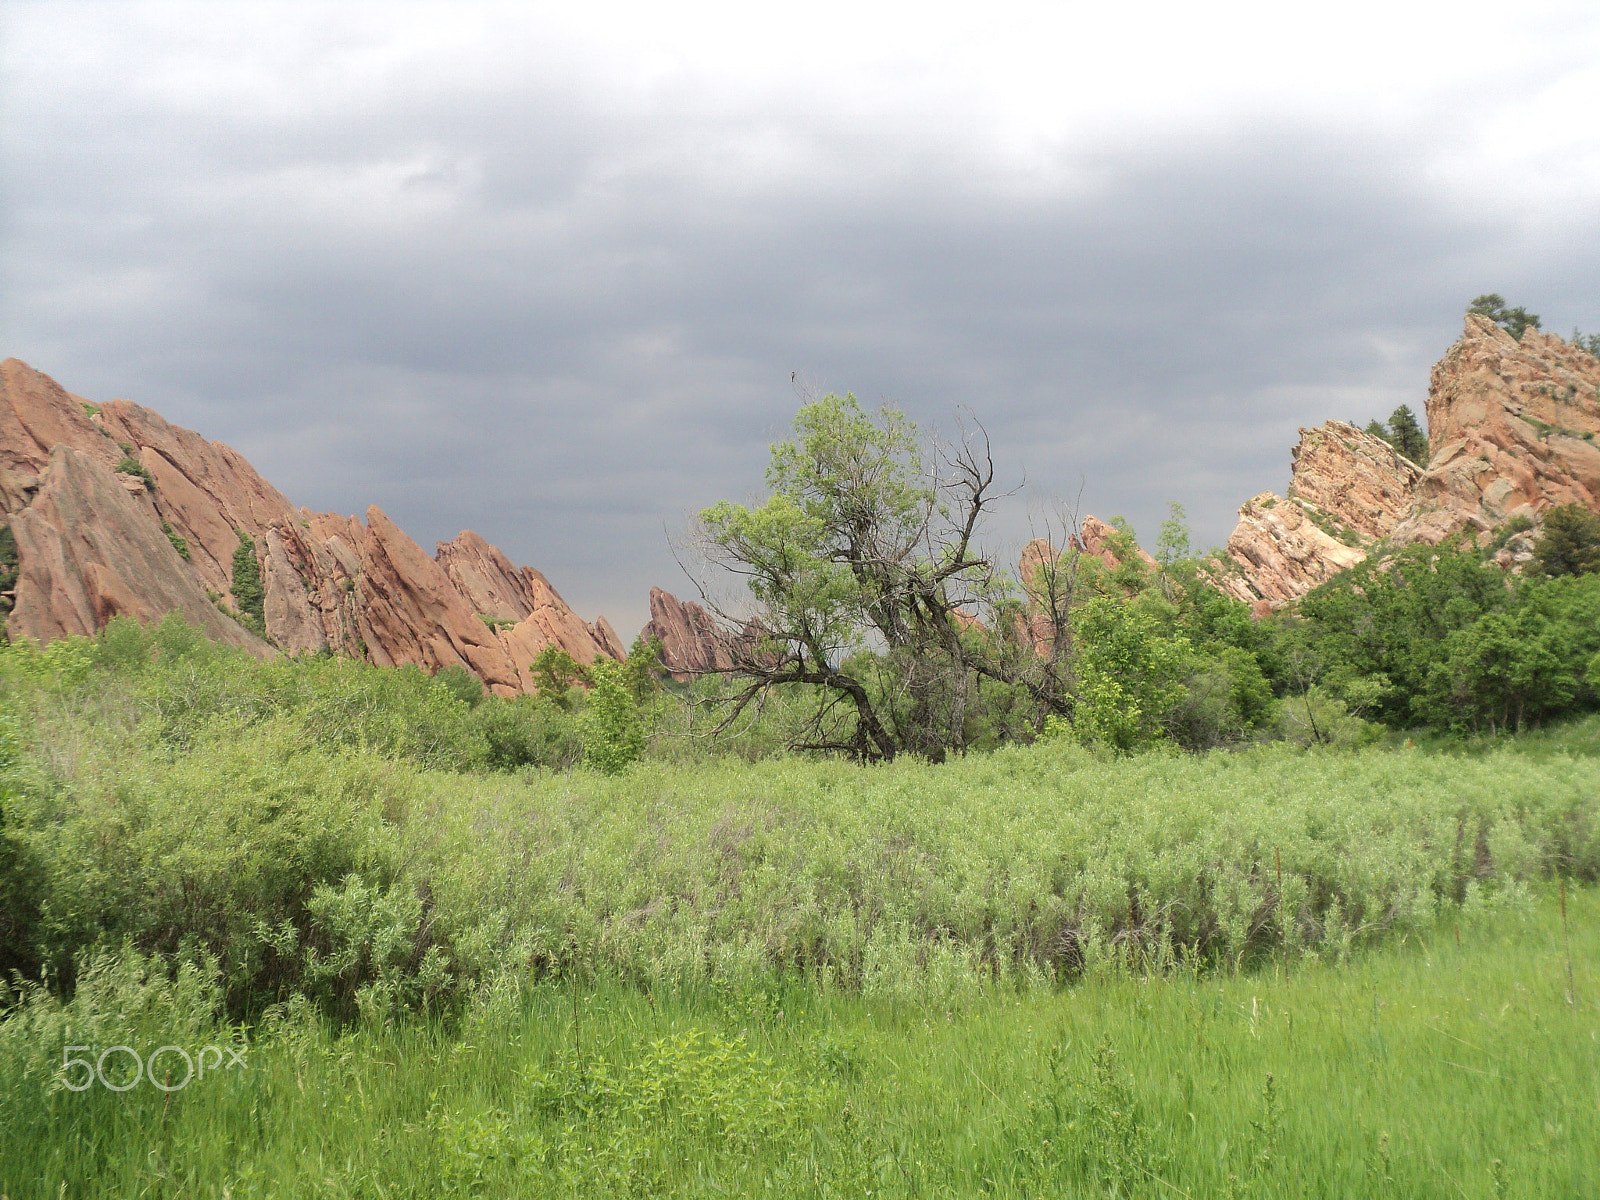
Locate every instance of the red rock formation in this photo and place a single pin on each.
(1512, 428)
(90, 548)
(691, 642)
(1095, 538)
(538, 616)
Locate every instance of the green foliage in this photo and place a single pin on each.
(526, 731)
(1457, 1059)
(132, 466)
(1509, 529)
(1443, 637)
(181, 545)
(1404, 433)
(460, 683)
(303, 821)
(1407, 436)
(1128, 675)
(1589, 344)
(555, 674)
(1173, 543)
(1568, 542)
(642, 669)
(1513, 320)
(9, 565)
(248, 593)
(613, 734)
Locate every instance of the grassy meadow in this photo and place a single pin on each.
(455, 963)
(1453, 1063)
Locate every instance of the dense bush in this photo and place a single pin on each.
(1443, 637)
(248, 592)
(324, 829)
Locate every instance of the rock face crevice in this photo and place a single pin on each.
(1512, 428)
(94, 543)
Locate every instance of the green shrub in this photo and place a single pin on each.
(555, 673)
(613, 734)
(527, 731)
(132, 466)
(9, 563)
(248, 593)
(460, 683)
(179, 544)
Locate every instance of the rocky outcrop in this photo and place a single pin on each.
(1349, 489)
(89, 550)
(526, 611)
(1096, 538)
(1512, 429)
(691, 642)
(93, 543)
(1283, 552)
(36, 415)
(1360, 483)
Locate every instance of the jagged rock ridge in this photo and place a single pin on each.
(94, 542)
(1511, 433)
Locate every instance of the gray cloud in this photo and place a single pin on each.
(540, 305)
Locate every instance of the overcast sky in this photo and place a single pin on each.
(545, 271)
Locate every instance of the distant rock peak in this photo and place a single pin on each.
(94, 543)
(1512, 426)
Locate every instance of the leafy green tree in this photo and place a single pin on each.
(865, 542)
(642, 669)
(248, 593)
(1173, 542)
(1513, 320)
(1129, 675)
(1389, 617)
(613, 734)
(1502, 670)
(460, 683)
(555, 672)
(1568, 542)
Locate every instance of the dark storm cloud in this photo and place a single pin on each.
(565, 319)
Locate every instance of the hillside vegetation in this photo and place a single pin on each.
(315, 828)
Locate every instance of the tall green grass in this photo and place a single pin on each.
(1452, 1063)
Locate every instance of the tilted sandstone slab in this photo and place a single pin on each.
(411, 613)
(331, 582)
(1359, 481)
(1512, 427)
(205, 490)
(36, 415)
(89, 550)
(501, 592)
(1283, 552)
(691, 642)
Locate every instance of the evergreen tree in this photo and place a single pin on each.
(1514, 321)
(1569, 542)
(1406, 435)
